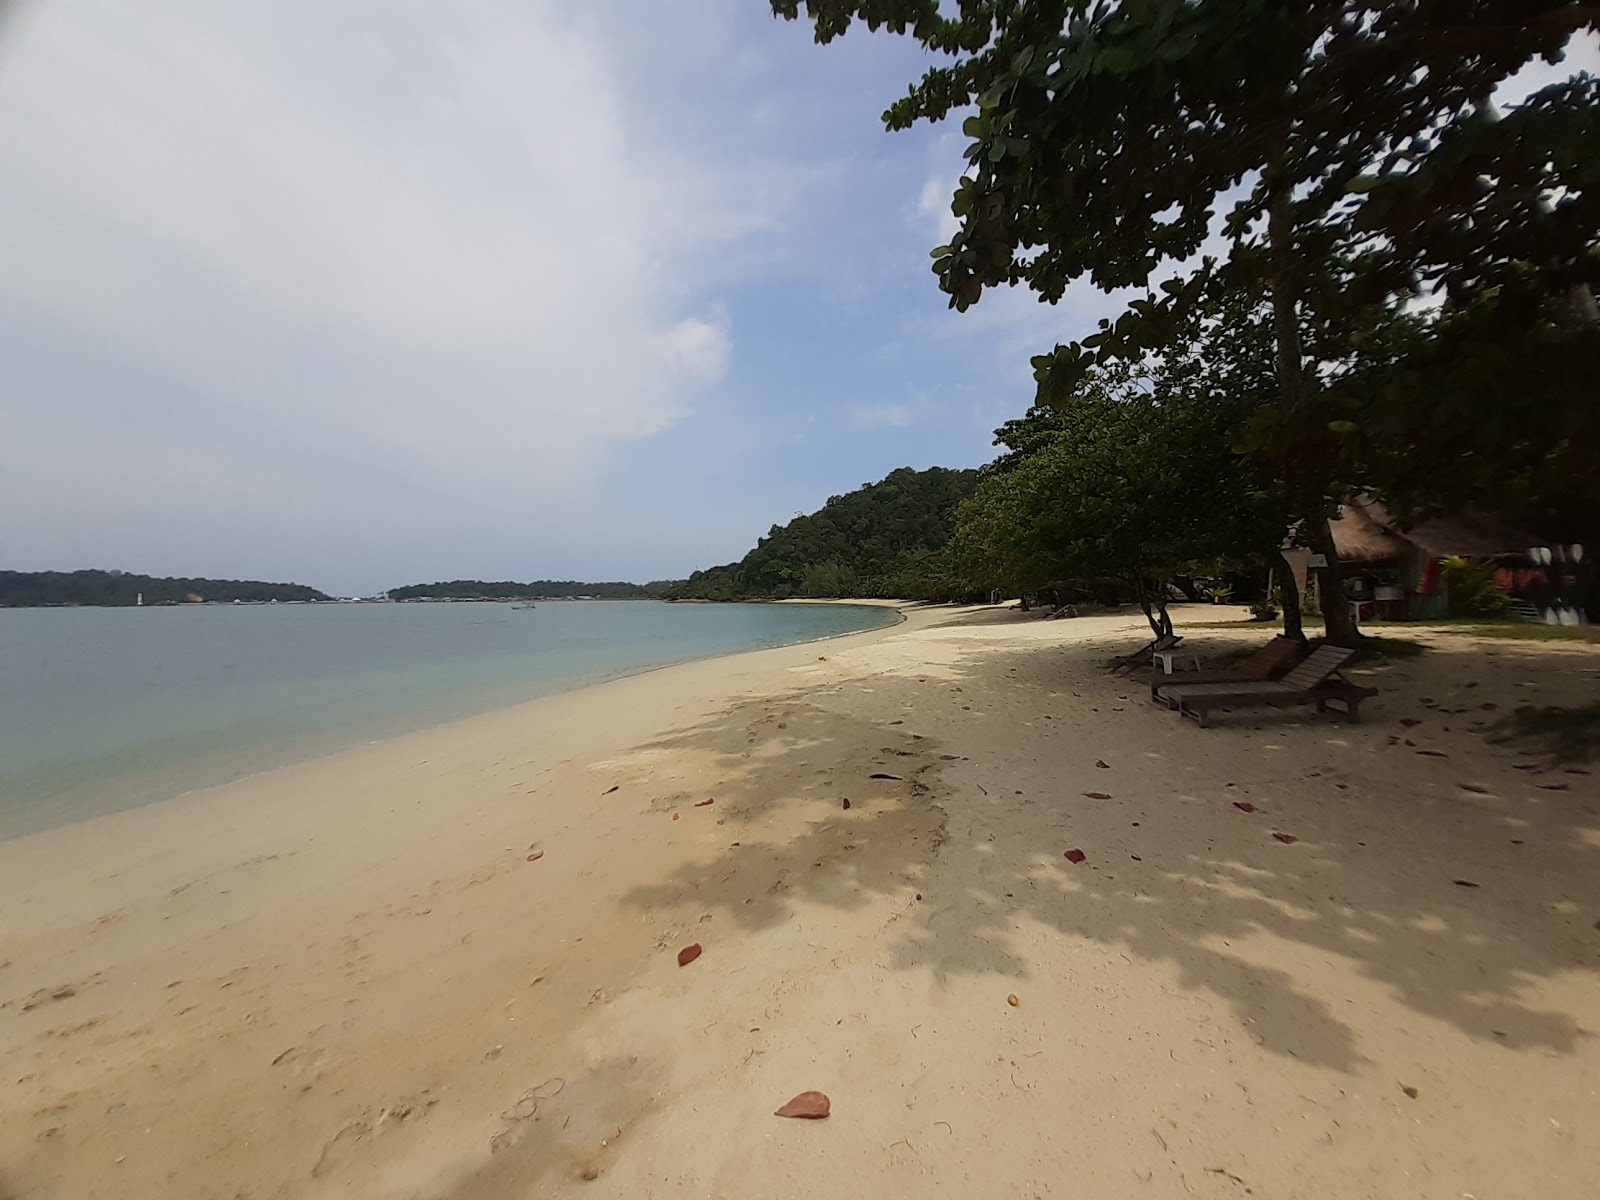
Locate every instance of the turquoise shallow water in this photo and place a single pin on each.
(109, 708)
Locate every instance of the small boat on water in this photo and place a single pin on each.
(524, 604)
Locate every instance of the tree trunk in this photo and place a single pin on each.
(1336, 621)
(1289, 594)
(1187, 586)
(1154, 606)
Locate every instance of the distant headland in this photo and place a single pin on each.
(110, 589)
(539, 589)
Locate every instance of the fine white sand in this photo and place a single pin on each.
(345, 978)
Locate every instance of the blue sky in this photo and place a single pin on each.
(368, 293)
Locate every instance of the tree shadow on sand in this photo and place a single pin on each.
(1175, 872)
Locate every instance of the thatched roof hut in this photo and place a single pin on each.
(1401, 566)
(1364, 532)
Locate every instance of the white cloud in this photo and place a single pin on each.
(410, 244)
(700, 348)
(933, 204)
(880, 416)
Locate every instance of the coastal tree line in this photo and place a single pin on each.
(40, 589)
(1351, 269)
(538, 589)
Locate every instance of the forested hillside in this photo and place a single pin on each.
(874, 541)
(35, 589)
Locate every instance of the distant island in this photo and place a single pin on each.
(45, 589)
(539, 589)
(885, 539)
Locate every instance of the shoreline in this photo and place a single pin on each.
(119, 914)
(264, 759)
(443, 967)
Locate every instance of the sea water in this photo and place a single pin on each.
(109, 708)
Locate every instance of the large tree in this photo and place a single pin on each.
(1134, 480)
(1109, 136)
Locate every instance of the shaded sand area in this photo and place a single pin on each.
(347, 978)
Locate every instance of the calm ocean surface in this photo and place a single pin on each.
(108, 708)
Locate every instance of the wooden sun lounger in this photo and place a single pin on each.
(1268, 661)
(1314, 681)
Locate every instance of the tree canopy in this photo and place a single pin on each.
(539, 589)
(1329, 158)
(1134, 480)
(33, 589)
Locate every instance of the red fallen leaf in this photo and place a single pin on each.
(674, 816)
(847, 802)
(703, 803)
(1244, 806)
(1551, 787)
(1431, 753)
(1410, 1091)
(807, 1106)
(1098, 795)
(1408, 722)
(1074, 856)
(1463, 883)
(688, 954)
(1288, 839)
(536, 856)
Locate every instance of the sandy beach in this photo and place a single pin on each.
(445, 965)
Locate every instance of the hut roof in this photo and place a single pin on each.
(1472, 536)
(1364, 532)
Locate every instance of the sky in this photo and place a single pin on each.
(379, 292)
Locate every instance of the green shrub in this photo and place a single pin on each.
(1470, 590)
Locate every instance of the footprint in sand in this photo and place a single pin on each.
(341, 1147)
